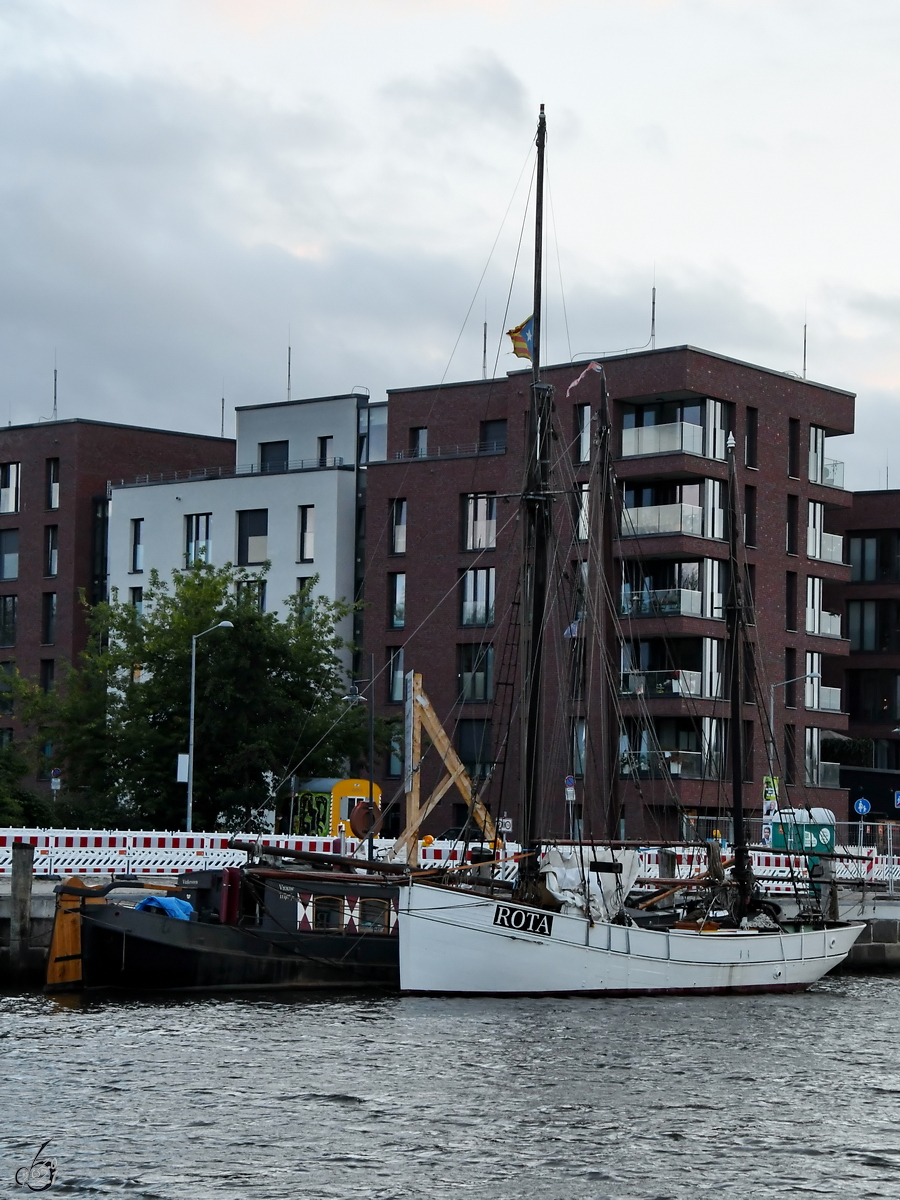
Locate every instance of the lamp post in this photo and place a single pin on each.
(772, 687)
(190, 791)
(356, 697)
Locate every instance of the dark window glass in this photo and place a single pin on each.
(397, 600)
(48, 671)
(52, 482)
(473, 745)
(493, 436)
(398, 526)
(418, 442)
(790, 600)
(253, 591)
(480, 521)
(790, 674)
(373, 916)
(478, 596)
(792, 531)
(790, 753)
(306, 533)
(51, 550)
(48, 618)
(475, 672)
(9, 487)
(137, 544)
(253, 540)
(395, 674)
(99, 551)
(750, 439)
(8, 607)
(273, 456)
(794, 448)
(9, 554)
(7, 670)
(197, 538)
(136, 595)
(749, 730)
(750, 515)
(326, 451)
(328, 913)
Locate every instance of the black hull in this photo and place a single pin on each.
(124, 949)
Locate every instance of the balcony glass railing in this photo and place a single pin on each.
(670, 764)
(823, 699)
(825, 624)
(661, 683)
(832, 548)
(832, 476)
(829, 775)
(679, 437)
(670, 602)
(662, 518)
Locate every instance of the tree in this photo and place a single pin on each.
(269, 703)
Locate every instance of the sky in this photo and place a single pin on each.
(188, 185)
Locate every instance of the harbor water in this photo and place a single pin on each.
(389, 1098)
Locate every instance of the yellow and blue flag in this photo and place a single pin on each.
(523, 339)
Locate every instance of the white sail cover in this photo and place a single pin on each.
(567, 869)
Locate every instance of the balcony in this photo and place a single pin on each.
(671, 602)
(670, 764)
(827, 775)
(828, 699)
(676, 438)
(833, 476)
(661, 683)
(662, 518)
(829, 549)
(825, 624)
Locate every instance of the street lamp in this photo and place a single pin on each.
(772, 687)
(190, 795)
(356, 697)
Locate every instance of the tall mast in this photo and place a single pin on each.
(536, 501)
(735, 624)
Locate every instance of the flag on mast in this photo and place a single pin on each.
(523, 339)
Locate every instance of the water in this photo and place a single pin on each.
(395, 1098)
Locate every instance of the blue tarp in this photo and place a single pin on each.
(172, 907)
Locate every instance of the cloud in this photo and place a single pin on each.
(484, 90)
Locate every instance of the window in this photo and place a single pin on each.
(137, 545)
(790, 600)
(816, 454)
(478, 597)
(373, 916)
(398, 527)
(273, 456)
(196, 538)
(579, 745)
(395, 758)
(326, 451)
(480, 515)
(372, 429)
(328, 913)
(751, 437)
(862, 622)
(252, 591)
(99, 553)
(51, 550)
(793, 517)
(582, 433)
(473, 745)
(136, 598)
(8, 608)
(418, 442)
(815, 521)
(9, 554)
(253, 536)
(863, 559)
(493, 436)
(6, 738)
(7, 670)
(48, 618)
(475, 672)
(48, 670)
(306, 533)
(790, 675)
(9, 487)
(794, 448)
(749, 729)
(52, 482)
(46, 761)
(750, 515)
(813, 688)
(395, 674)
(582, 512)
(397, 600)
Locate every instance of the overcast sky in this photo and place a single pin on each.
(183, 181)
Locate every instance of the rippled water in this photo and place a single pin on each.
(400, 1097)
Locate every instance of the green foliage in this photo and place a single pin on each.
(268, 703)
(18, 805)
(849, 752)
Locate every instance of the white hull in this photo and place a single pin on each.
(451, 943)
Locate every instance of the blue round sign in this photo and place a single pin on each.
(570, 781)
(862, 807)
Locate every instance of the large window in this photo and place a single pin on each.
(52, 483)
(136, 598)
(137, 545)
(493, 436)
(478, 597)
(9, 487)
(480, 518)
(51, 550)
(475, 671)
(252, 591)
(326, 451)
(306, 533)
(398, 526)
(397, 600)
(418, 442)
(582, 433)
(9, 554)
(582, 511)
(875, 556)
(473, 745)
(372, 440)
(48, 618)
(48, 674)
(253, 536)
(273, 456)
(8, 608)
(197, 538)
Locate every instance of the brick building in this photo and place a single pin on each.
(53, 528)
(442, 583)
(870, 676)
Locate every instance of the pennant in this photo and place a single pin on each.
(523, 339)
(594, 366)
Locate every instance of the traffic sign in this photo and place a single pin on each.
(862, 807)
(896, 799)
(570, 781)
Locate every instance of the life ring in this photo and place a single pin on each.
(362, 820)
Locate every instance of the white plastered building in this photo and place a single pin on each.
(294, 499)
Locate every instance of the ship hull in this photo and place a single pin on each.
(453, 942)
(143, 951)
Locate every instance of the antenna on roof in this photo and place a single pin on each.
(484, 353)
(222, 429)
(289, 366)
(53, 418)
(653, 318)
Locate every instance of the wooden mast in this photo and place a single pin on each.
(536, 503)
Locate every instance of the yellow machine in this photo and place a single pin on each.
(323, 806)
